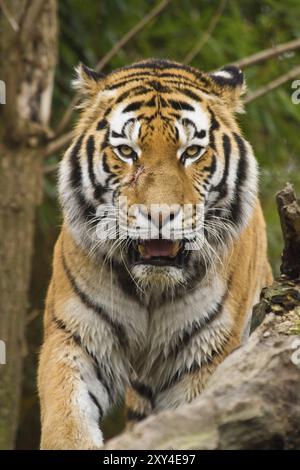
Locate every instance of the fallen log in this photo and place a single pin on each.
(253, 399)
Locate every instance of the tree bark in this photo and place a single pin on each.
(28, 58)
(289, 213)
(253, 399)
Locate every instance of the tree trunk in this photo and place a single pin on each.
(253, 399)
(27, 57)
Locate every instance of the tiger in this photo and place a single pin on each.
(135, 317)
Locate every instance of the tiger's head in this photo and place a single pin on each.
(158, 177)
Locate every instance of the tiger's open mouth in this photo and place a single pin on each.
(157, 252)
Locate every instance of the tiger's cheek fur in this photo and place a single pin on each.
(156, 333)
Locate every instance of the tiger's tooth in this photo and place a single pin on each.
(175, 248)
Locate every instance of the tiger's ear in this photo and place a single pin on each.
(230, 86)
(87, 81)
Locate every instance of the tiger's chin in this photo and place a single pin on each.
(158, 279)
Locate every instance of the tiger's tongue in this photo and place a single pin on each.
(151, 248)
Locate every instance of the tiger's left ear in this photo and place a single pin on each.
(230, 86)
(87, 81)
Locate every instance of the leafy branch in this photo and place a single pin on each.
(277, 82)
(156, 11)
(266, 54)
(207, 34)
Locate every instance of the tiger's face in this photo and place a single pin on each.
(159, 178)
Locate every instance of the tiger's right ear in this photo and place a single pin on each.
(230, 85)
(87, 81)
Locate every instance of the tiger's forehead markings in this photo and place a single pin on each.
(175, 74)
(174, 94)
(160, 70)
(164, 85)
(183, 119)
(194, 125)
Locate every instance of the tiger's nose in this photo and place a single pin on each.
(162, 214)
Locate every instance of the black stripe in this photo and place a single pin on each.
(105, 142)
(75, 164)
(126, 82)
(152, 102)
(195, 367)
(101, 376)
(181, 78)
(117, 328)
(235, 207)
(187, 122)
(88, 210)
(95, 401)
(117, 135)
(106, 167)
(179, 375)
(123, 96)
(214, 125)
(159, 64)
(174, 115)
(222, 187)
(107, 112)
(212, 167)
(190, 94)
(196, 327)
(141, 90)
(186, 338)
(169, 74)
(99, 190)
(181, 105)
(201, 134)
(143, 390)
(169, 68)
(157, 86)
(134, 91)
(134, 106)
(180, 83)
(135, 415)
(125, 281)
(141, 73)
(90, 149)
(130, 120)
(101, 124)
(62, 326)
(96, 76)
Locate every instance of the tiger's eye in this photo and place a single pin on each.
(193, 150)
(126, 150)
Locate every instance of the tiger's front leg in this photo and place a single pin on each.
(75, 392)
